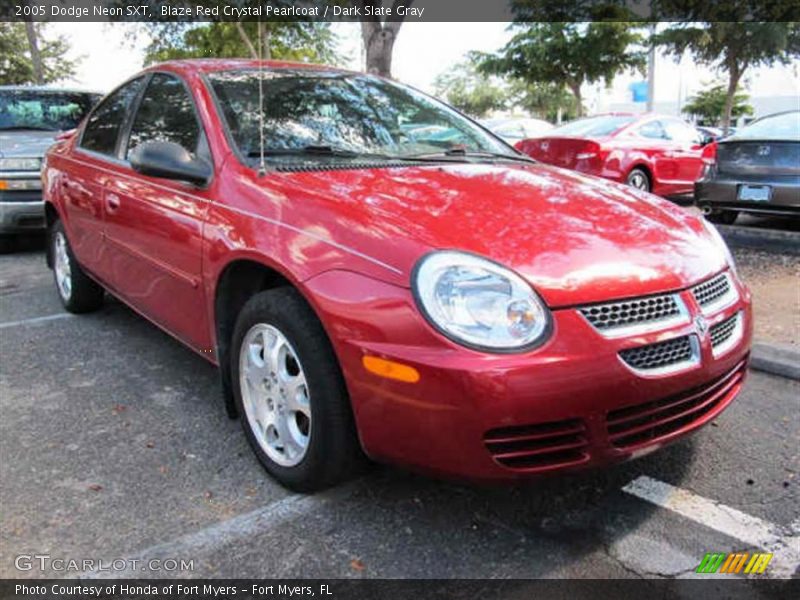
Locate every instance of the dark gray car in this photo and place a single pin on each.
(757, 170)
(30, 118)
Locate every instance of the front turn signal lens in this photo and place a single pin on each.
(390, 369)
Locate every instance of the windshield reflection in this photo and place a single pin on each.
(306, 110)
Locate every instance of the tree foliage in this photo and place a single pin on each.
(295, 40)
(567, 55)
(709, 105)
(731, 46)
(469, 91)
(16, 63)
(545, 100)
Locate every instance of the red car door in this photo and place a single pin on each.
(82, 184)
(686, 152)
(154, 226)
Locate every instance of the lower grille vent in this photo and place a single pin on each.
(538, 447)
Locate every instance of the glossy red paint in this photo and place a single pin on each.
(672, 165)
(348, 241)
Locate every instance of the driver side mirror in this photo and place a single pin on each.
(170, 161)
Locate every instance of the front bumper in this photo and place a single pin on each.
(21, 212)
(570, 404)
(721, 193)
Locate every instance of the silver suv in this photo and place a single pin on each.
(30, 119)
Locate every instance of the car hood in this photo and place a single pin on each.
(25, 142)
(576, 239)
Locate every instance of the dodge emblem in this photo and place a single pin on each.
(701, 325)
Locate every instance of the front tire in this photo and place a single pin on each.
(290, 393)
(76, 290)
(639, 179)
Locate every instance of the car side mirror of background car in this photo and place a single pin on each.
(170, 161)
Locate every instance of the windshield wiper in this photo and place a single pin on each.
(477, 154)
(321, 150)
(325, 150)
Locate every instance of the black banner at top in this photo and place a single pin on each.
(399, 10)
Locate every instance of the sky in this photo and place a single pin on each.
(424, 50)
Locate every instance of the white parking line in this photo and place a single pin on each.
(35, 320)
(195, 545)
(735, 524)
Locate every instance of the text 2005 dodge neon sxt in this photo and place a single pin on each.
(366, 286)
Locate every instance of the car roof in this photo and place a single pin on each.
(211, 65)
(46, 89)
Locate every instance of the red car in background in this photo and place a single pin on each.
(656, 153)
(363, 286)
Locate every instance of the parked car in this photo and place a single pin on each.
(756, 170)
(655, 153)
(457, 311)
(516, 129)
(30, 119)
(712, 134)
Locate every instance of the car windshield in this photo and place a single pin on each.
(593, 126)
(785, 126)
(43, 110)
(355, 113)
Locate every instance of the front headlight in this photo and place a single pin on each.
(479, 303)
(20, 164)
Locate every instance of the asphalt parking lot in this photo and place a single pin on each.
(114, 443)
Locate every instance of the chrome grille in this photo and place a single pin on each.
(662, 356)
(633, 313)
(713, 291)
(722, 332)
(726, 334)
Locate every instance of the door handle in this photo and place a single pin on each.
(112, 202)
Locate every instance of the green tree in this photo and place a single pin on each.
(294, 40)
(567, 55)
(470, 91)
(545, 100)
(18, 47)
(720, 40)
(709, 105)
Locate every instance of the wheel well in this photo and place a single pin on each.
(646, 169)
(50, 217)
(238, 283)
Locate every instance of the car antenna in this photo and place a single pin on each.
(262, 167)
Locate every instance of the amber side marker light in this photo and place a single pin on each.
(390, 369)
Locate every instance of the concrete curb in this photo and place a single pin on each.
(762, 239)
(776, 359)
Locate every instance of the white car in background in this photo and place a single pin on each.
(514, 129)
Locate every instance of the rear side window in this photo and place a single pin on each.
(104, 124)
(652, 131)
(166, 114)
(681, 132)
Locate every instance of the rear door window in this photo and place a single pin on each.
(102, 130)
(653, 130)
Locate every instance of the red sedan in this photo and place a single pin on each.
(366, 288)
(655, 153)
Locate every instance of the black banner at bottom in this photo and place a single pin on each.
(393, 589)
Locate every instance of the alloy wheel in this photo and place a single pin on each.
(62, 266)
(275, 394)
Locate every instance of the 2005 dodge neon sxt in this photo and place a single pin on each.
(375, 273)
